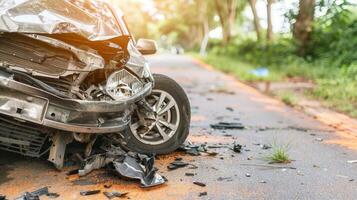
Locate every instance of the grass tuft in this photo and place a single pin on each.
(279, 154)
(288, 98)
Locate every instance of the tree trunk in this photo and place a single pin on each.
(303, 25)
(270, 23)
(205, 39)
(227, 12)
(256, 18)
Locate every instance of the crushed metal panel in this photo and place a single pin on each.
(88, 18)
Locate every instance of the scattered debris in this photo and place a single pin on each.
(225, 179)
(189, 174)
(199, 184)
(193, 150)
(352, 161)
(177, 164)
(319, 139)
(262, 181)
(202, 194)
(125, 164)
(230, 109)
(265, 146)
(115, 194)
(107, 186)
(52, 195)
(89, 192)
(237, 148)
(143, 170)
(35, 195)
(247, 175)
(227, 125)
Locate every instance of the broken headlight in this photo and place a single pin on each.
(122, 85)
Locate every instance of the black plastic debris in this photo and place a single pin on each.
(202, 194)
(199, 184)
(265, 146)
(189, 174)
(115, 194)
(2, 197)
(227, 125)
(177, 164)
(237, 148)
(35, 195)
(230, 109)
(89, 192)
(125, 164)
(52, 195)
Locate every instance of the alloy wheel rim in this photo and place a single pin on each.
(159, 126)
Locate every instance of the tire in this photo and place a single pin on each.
(163, 83)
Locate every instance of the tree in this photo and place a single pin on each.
(228, 11)
(303, 25)
(269, 21)
(257, 27)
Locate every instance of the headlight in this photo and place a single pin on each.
(122, 85)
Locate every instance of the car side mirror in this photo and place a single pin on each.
(146, 46)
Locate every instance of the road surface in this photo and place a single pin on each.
(322, 170)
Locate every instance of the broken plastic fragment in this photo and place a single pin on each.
(52, 195)
(35, 195)
(114, 194)
(226, 125)
(202, 194)
(177, 164)
(89, 192)
(237, 148)
(199, 184)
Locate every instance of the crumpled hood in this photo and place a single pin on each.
(88, 18)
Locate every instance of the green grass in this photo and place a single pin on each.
(279, 154)
(287, 97)
(335, 87)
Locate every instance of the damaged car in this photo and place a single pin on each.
(70, 70)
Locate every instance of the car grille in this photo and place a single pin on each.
(21, 137)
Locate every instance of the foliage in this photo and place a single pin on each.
(334, 37)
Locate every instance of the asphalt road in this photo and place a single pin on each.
(322, 170)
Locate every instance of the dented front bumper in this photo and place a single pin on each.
(32, 104)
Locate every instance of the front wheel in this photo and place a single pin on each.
(166, 127)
